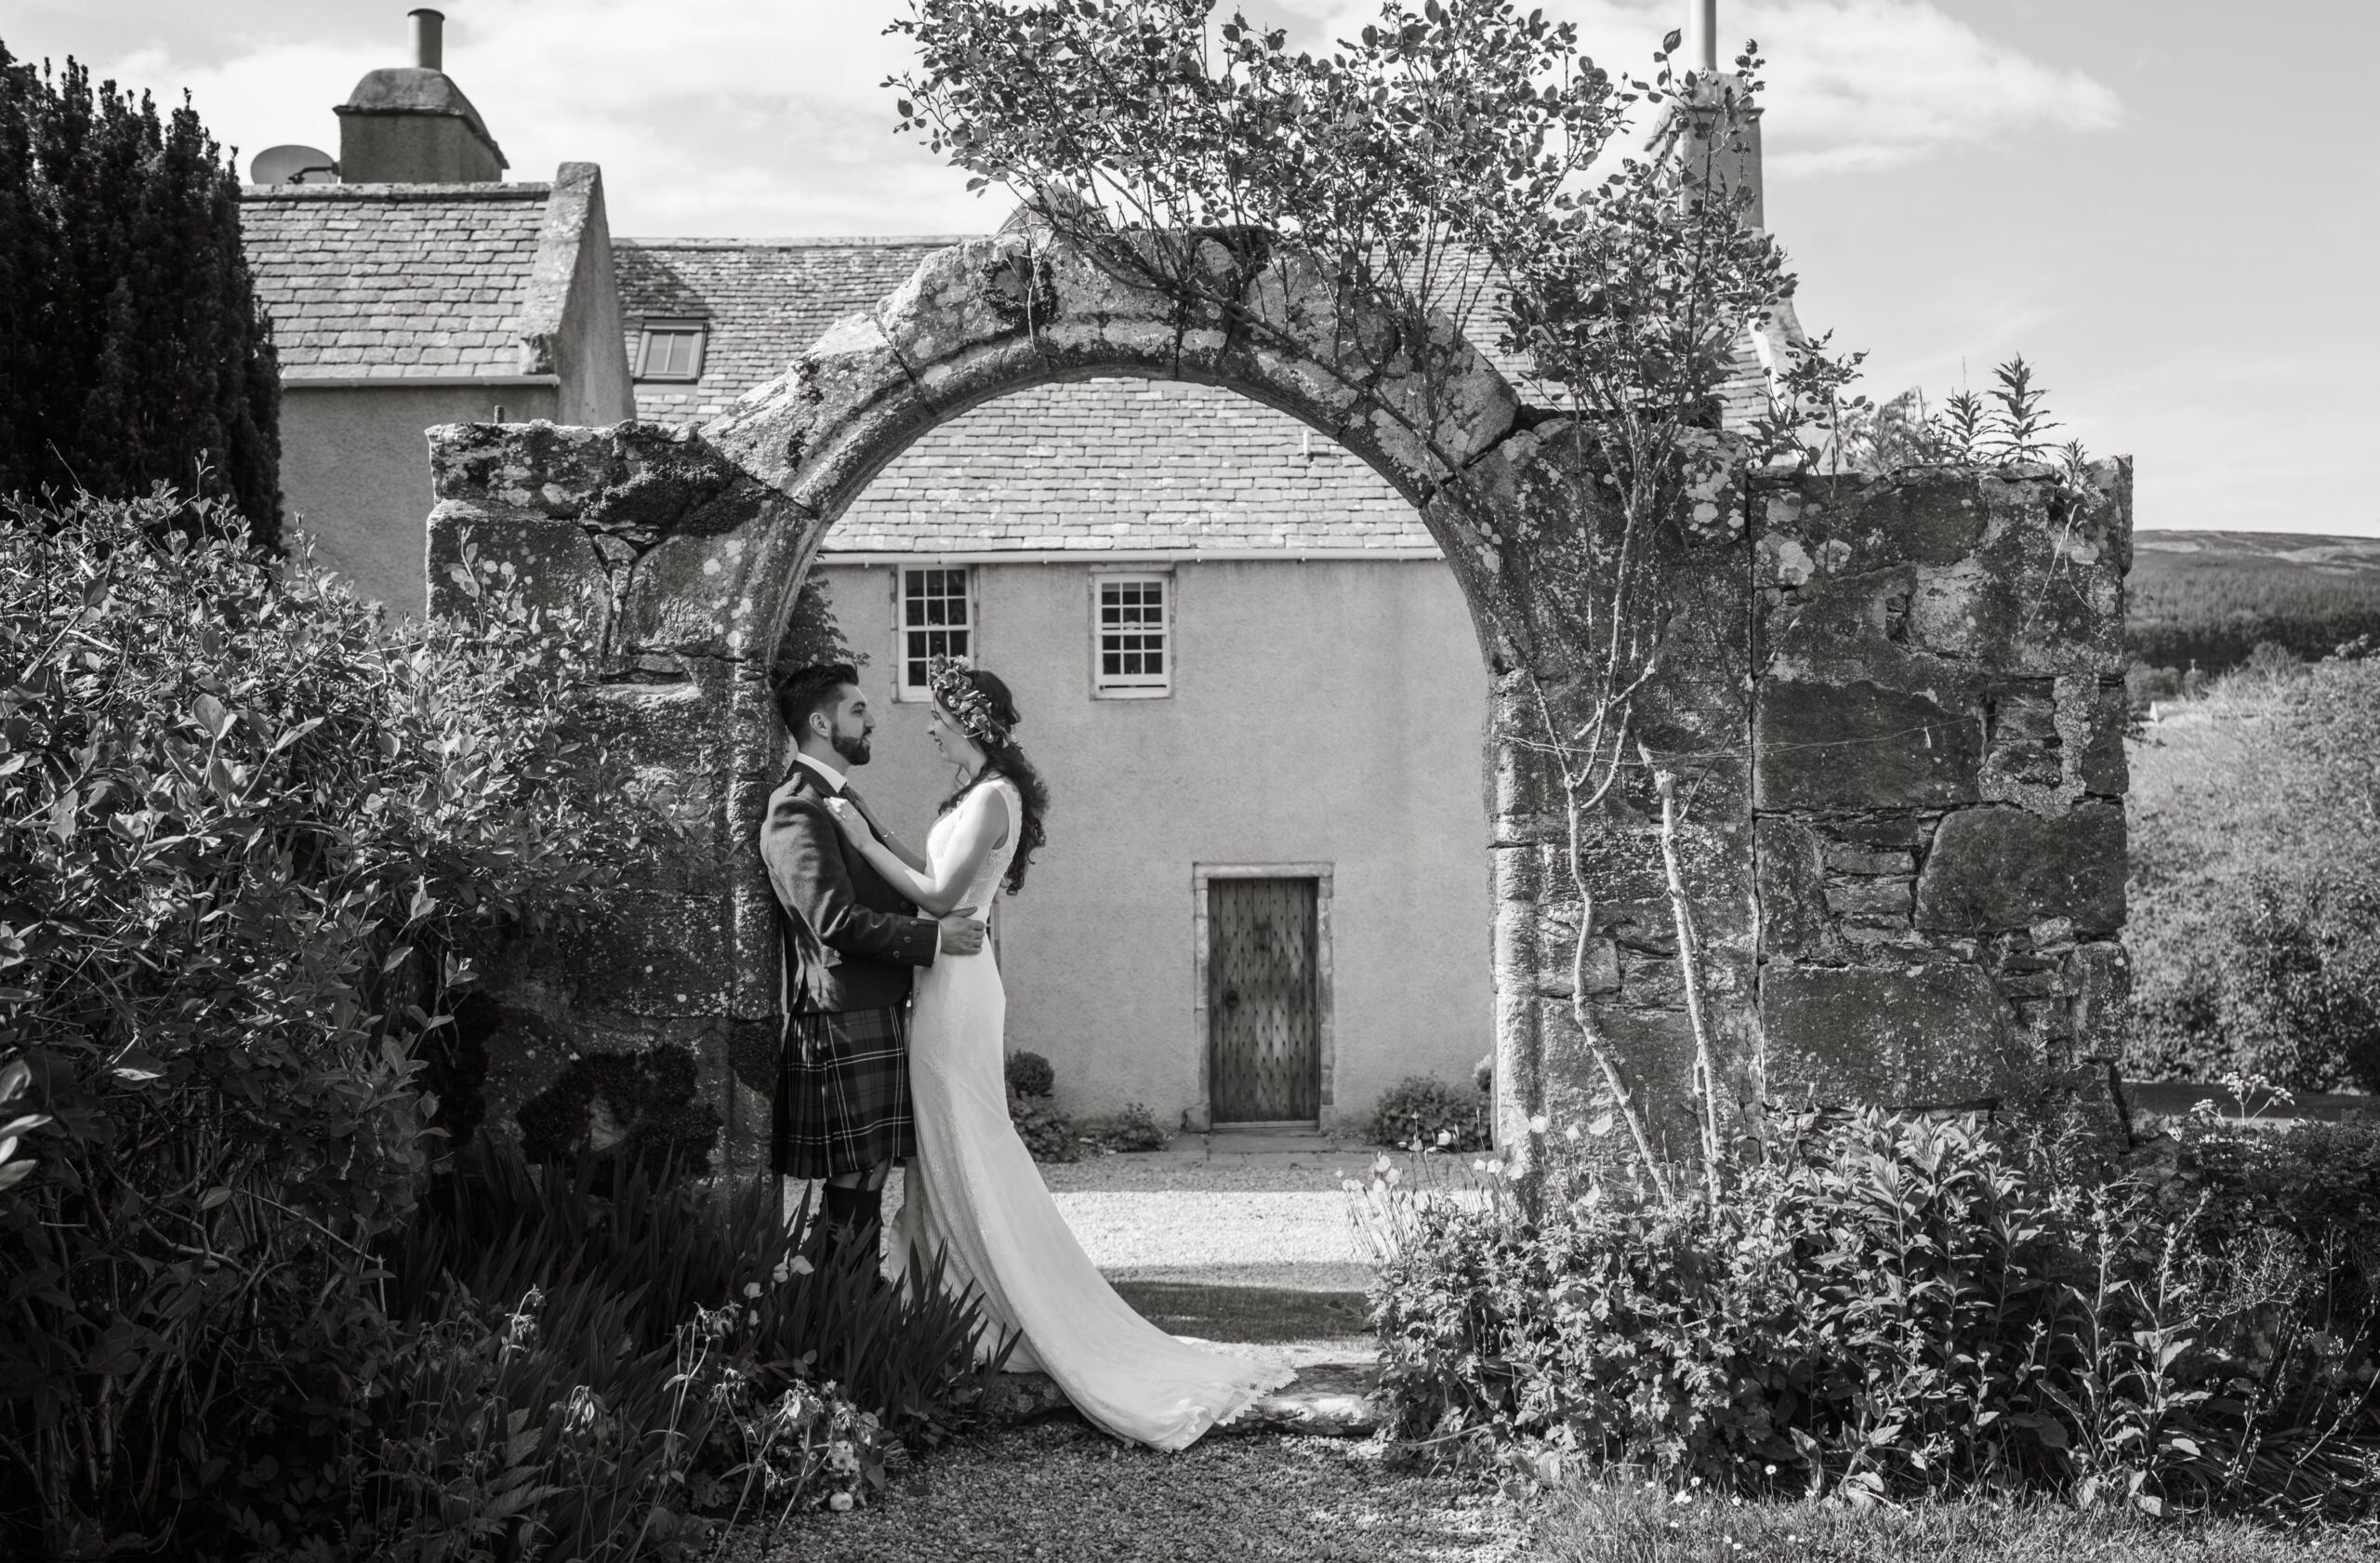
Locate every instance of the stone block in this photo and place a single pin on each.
(554, 562)
(2038, 598)
(1871, 900)
(1844, 857)
(1925, 1036)
(1792, 888)
(2100, 976)
(2024, 752)
(1838, 624)
(656, 955)
(1994, 868)
(1855, 525)
(2092, 714)
(681, 595)
(1862, 745)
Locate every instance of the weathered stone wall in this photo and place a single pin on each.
(1939, 781)
(1894, 706)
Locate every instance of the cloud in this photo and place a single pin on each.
(716, 117)
(1854, 84)
(709, 117)
(1868, 84)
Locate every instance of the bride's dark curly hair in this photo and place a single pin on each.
(1003, 757)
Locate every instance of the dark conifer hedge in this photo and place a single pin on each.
(132, 349)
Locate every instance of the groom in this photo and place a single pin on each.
(851, 943)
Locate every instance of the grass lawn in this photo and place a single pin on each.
(1626, 1523)
(1058, 1490)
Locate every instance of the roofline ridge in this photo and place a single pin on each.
(486, 191)
(939, 241)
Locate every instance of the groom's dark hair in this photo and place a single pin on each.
(807, 691)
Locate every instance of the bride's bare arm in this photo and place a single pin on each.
(983, 825)
(909, 856)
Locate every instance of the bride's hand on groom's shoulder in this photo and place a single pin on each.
(847, 816)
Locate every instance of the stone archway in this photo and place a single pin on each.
(692, 548)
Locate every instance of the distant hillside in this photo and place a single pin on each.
(2209, 597)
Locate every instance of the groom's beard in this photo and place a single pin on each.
(854, 748)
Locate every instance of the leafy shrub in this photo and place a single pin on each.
(1135, 1129)
(253, 841)
(603, 1357)
(2313, 1189)
(2254, 854)
(1030, 1074)
(1050, 1134)
(1424, 1108)
(1881, 1309)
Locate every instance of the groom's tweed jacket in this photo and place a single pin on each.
(851, 939)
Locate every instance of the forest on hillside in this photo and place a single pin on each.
(2211, 598)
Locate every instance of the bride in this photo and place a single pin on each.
(972, 1190)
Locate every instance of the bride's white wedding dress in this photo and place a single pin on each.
(973, 1193)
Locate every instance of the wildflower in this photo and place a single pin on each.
(1446, 1136)
(1572, 1131)
(1382, 1165)
(752, 1316)
(751, 1288)
(1478, 1166)
(1394, 1174)
(1683, 1497)
(1536, 1125)
(841, 1503)
(1694, 1481)
(800, 1266)
(1495, 1169)
(1770, 1469)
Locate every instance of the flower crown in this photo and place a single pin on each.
(947, 678)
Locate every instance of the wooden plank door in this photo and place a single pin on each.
(1266, 1064)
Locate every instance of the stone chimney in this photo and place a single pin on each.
(412, 125)
(1709, 113)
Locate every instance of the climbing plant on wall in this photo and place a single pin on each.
(1457, 162)
(133, 351)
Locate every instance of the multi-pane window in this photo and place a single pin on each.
(672, 349)
(937, 619)
(1135, 630)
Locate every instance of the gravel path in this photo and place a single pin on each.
(1249, 1247)
(1061, 1491)
(1277, 1221)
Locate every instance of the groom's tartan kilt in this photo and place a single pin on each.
(843, 1094)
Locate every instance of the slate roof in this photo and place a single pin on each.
(394, 282)
(766, 300)
(1093, 466)
(1098, 466)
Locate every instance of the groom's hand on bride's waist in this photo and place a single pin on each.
(961, 934)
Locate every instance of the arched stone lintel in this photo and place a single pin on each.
(988, 317)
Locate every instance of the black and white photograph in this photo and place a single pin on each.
(1438, 781)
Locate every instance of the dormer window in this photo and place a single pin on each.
(672, 349)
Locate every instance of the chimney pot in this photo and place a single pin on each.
(429, 38)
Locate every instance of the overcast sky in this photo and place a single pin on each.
(2169, 206)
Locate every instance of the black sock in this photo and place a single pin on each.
(839, 1212)
(867, 1216)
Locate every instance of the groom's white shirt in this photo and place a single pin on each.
(833, 778)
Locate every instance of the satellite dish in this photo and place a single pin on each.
(292, 165)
